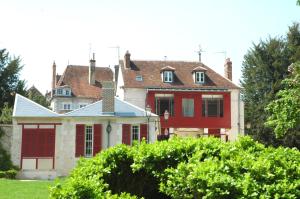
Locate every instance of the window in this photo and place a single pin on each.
(67, 106)
(188, 107)
(163, 104)
(212, 106)
(135, 133)
(67, 92)
(59, 91)
(168, 76)
(88, 142)
(199, 77)
(139, 78)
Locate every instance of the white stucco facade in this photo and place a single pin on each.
(237, 115)
(65, 135)
(57, 103)
(30, 116)
(136, 96)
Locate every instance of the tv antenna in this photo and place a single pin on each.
(200, 50)
(118, 49)
(222, 52)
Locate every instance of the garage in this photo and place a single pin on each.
(38, 146)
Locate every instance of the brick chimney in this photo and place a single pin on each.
(53, 75)
(92, 69)
(228, 69)
(127, 59)
(108, 97)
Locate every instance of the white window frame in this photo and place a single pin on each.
(168, 76)
(68, 92)
(199, 77)
(59, 91)
(90, 140)
(64, 106)
(138, 133)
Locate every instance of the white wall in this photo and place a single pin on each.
(120, 89)
(136, 96)
(65, 136)
(237, 115)
(57, 103)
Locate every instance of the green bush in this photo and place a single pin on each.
(186, 168)
(5, 162)
(10, 174)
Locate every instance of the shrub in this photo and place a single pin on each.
(10, 174)
(186, 168)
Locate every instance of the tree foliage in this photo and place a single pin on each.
(186, 168)
(6, 114)
(265, 66)
(285, 110)
(35, 95)
(10, 83)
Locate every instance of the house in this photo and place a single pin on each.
(78, 86)
(198, 100)
(46, 144)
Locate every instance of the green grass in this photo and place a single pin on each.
(16, 189)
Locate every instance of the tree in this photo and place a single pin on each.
(10, 83)
(285, 110)
(6, 115)
(35, 95)
(265, 66)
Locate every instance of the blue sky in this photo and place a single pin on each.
(65, 31)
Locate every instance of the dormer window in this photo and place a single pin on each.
(199, 77)
(59, 91)
(67, 93)
(168, 76)
(199, 74)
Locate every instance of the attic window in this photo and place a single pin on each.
(168, 76)
(139, 78)
(199, 77)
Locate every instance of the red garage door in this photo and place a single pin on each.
(38, 147)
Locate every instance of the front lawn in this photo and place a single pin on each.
(17, 189)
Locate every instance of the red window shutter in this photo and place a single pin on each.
(143, 131)
(126, 134)
(97, 138)
(79, 148)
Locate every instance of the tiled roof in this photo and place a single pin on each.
(183, 79)
(77, 77)
(122, 109)
(24, 107)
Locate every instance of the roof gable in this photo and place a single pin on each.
(183, 75)
(24, 107)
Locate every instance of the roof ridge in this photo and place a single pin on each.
(156, 60)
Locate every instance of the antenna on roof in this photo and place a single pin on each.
(165, 60)
(222, 52)
(90, 50)
(118, 48)
(199, 52)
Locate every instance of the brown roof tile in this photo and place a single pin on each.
(77, 78)
(183, 79)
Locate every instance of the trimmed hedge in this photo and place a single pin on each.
(186, 168)
(10, 174)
